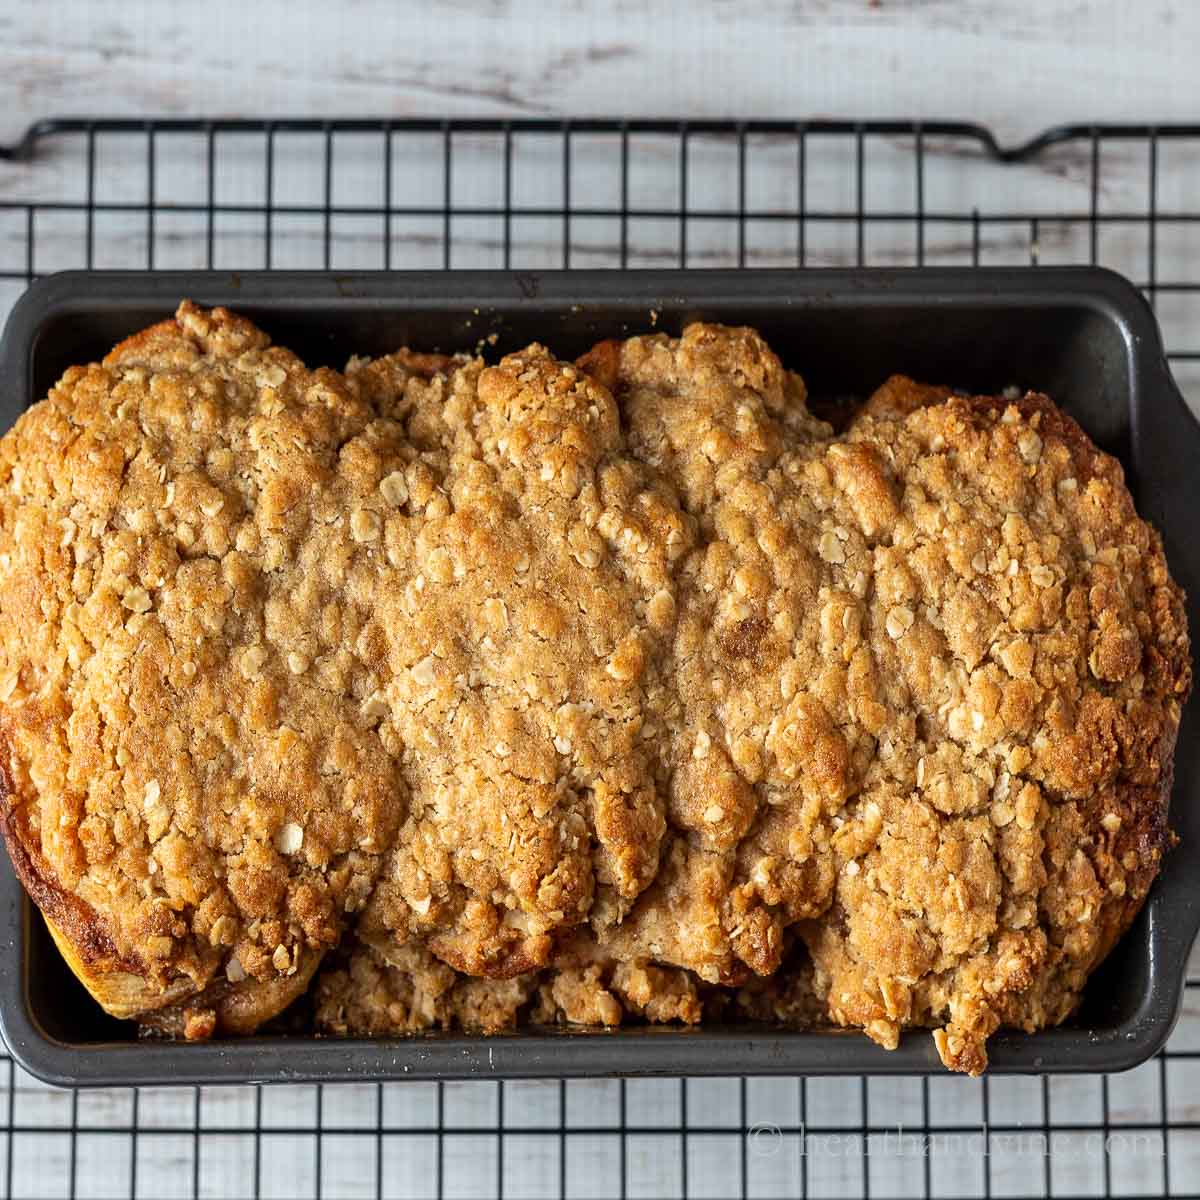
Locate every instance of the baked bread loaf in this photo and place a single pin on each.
(552, 691)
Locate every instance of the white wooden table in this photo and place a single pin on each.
(1015, 65)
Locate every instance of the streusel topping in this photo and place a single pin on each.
(628, 672)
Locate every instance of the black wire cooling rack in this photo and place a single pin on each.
(476, 193)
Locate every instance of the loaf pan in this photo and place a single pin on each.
(1083, 335)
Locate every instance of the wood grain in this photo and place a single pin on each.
(1014, 66)
(1011, 64)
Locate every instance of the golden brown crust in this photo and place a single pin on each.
(226, 1008)
(206, 805)
(392, 990)
(368, 994)
(580, 690)
(71, 917)
(898, 396)
(1083, 677)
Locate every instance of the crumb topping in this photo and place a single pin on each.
(605, 683)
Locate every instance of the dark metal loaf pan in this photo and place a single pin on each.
(1085, 336)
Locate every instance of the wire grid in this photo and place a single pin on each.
(358, 194)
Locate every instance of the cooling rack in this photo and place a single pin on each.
(599, 193)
